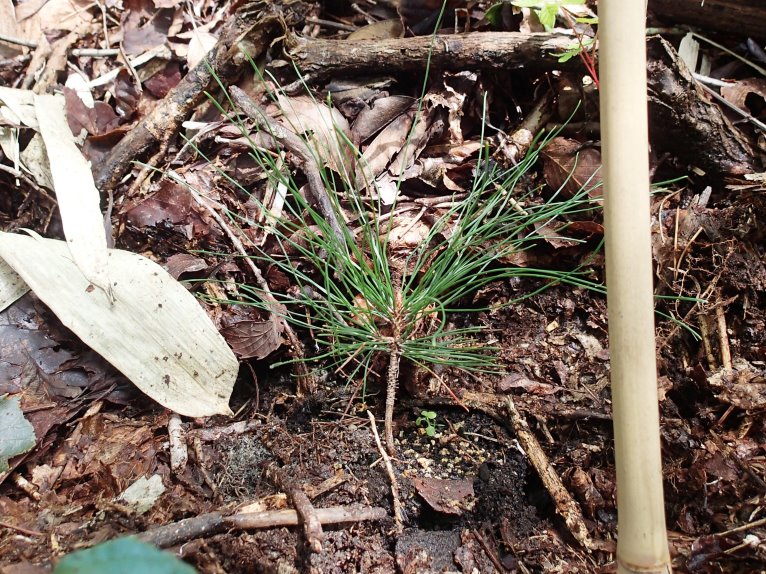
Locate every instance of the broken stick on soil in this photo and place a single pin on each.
(566, 506)
(312, 526)
(395, 502)
(215, 522)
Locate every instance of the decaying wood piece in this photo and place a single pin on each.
(732, 16)
(179, 453)
(566, 506)
(247, 33)
(488, 50)
(683, 118)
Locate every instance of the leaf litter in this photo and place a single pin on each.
(95, 436)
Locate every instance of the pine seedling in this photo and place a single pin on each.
(361, 301)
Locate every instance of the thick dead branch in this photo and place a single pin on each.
(684, 120)
(489, 50)
(732, 16)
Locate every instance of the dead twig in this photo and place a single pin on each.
(706, 343)
(491, 554)
(306, 380)
(20, 529)
(566, 506)
(202, 459)
(244, 36)
(335, 515)
(312, 526)
(326, 485)
(395, 502)
(216, 522)
(723, 338)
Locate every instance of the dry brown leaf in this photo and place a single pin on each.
(452, 97)
(325, 129)
(570, 167)
(53, 15)
(382, 30)
(737, 93)
(250, 336)
(446, 496)
(427, 127)
(383, 112)
(201, 43)
(386, 144)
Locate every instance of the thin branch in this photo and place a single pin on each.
(395, 502)
(216, 522)
(312, 526)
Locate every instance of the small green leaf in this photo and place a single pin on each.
(431, 431)
(122, 556)
(584, 20)
(547, 15)
(18, 436)
(492, 15)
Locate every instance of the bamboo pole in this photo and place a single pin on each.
(642, 539)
